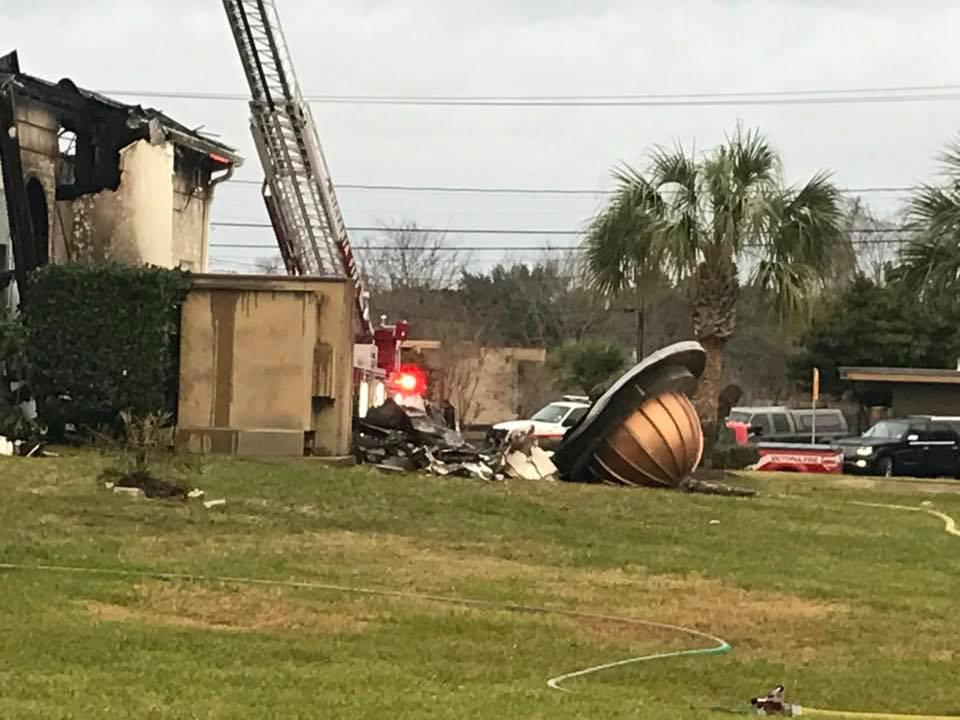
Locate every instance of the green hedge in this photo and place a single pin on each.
(14, 374)
(101, 339)
(733, 457)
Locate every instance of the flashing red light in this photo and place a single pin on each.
(407, 381)
(410, 380)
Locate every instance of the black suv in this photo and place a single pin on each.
(914, 446)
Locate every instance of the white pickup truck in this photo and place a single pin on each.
(550, 423)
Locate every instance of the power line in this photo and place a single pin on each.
(481, 231)
(468, 189)
(620, 96)
(453, 248)
(841, 96)
(490, 248)
(425, 231)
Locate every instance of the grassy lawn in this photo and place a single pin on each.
(850, 607)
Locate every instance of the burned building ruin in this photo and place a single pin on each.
(88, 178)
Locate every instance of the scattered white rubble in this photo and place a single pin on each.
(132, 492)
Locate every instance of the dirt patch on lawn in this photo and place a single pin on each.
(760, 622)
(240, 609)
(756, 621)
(406, 561)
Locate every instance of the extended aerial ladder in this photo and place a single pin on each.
(297, 188)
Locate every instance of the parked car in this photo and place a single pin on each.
(779, 424)
(913, 446)
(550, 423)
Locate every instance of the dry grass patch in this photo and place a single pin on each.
(756, 622)
(241, 609)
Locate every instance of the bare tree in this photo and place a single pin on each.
(269, 265)
(408, 257)
(462, 366)
(471, 375)
(875, 241)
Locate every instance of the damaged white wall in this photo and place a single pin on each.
(133, 224)
(156, 216)
(191, 224)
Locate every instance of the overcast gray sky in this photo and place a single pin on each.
(524, 47)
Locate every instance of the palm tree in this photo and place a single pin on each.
(698, 218)
(930, 262)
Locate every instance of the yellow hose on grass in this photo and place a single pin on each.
(949, 524)
(950, 527)
(816, 712)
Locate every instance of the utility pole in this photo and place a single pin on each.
(640, 330)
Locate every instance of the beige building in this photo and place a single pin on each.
(486, 385)
(266, 366)
(104, 180)
(904, 391)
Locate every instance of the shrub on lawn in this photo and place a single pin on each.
(14, 389)
(147, 444)
(733, 457)
(103, 339)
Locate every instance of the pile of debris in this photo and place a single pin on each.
(20, 448)
(398, 438)
(643, 432)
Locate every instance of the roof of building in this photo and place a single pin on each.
(935, 376)
(70, 102)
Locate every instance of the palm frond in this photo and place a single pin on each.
(801, 228)
(739, 176)
(620, 239)
(930, 262)
(678, 178)
(755, 162)
(812, 220)
(950, 163)
(791, 286)
(673, 167)
(929, 266)
(934, 211)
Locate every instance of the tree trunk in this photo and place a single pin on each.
(706, 399)
(714, 315)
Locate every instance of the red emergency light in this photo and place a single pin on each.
(409, 380)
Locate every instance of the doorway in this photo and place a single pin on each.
(40, 220)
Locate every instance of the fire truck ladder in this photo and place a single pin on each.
(297, 189)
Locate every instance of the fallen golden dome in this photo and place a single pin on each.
(643, 430)
(658, 445)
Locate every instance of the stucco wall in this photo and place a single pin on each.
(133, 224)
(191, 215)
(268, 356)
(490, 380)
(498, 393)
